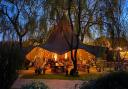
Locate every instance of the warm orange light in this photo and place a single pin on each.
(42, 53)
(66, 56)
(55, 57)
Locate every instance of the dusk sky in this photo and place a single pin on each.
(125, 12)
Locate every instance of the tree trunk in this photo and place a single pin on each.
(20, 41)
(74, 71)
(82, 37)
(75, 65)
(74, 53)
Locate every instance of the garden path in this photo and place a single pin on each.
(51, 83)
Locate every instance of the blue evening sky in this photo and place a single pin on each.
(125, 12)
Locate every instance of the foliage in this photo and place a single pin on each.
(117, 80)
(116, 27)
(10, 60)
(35, 85)
(102, 41)
(20, 20)
(120, 42)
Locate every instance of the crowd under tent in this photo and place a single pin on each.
(40, 55)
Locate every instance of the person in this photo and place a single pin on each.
(44, 66)
(39, 70)
(94, 61)
(27, 64)
(44, 69)
(66, 69)
(88, 68)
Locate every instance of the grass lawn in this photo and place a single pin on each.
(90, 76)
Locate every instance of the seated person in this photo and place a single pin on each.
(38, 70)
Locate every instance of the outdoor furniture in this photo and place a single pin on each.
(59, 69)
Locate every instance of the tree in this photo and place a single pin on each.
(112, 15)
(19, 17)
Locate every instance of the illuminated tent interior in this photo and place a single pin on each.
(41, 57)
(41, 53)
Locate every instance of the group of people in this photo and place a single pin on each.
(56, 66)
(41, 65)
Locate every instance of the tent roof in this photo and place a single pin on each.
(58, 41)
(61, 37)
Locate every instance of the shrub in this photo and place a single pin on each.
(117, 80)
(35, 85)
(10, 60)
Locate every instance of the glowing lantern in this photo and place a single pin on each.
(55, 57)
(66, 56)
